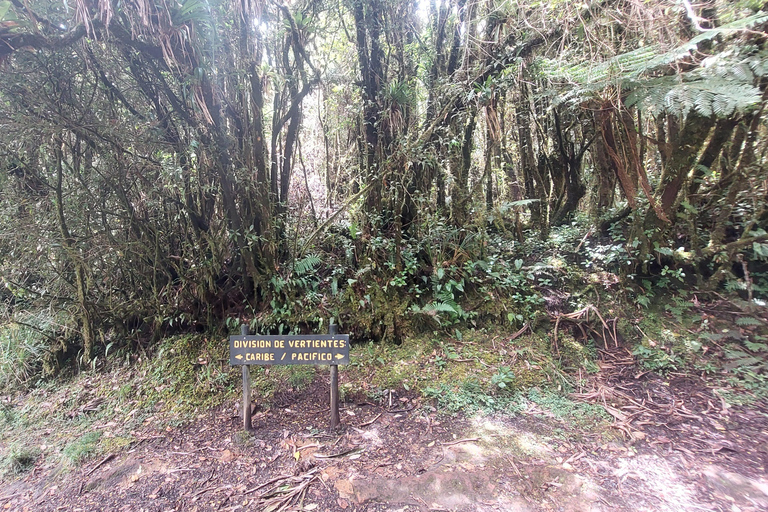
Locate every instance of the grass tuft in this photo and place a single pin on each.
(18, 460)
(81, 448)
(21, 349)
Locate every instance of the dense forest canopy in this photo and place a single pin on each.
(394, 164)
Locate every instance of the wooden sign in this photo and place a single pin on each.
(328, 349)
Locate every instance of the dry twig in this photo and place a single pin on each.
(468, 440)
(582, 316)
(281, 497)
(371, 422)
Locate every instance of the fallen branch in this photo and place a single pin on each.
(372, 421)
(519, 333)
(738, 244)
(203, 491)
(591, 229)
(336, 455)
(281, 498)
(583, 314)
(279, 478)
(103, 461)
(10, 496)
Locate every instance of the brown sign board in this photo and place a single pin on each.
(330, 349)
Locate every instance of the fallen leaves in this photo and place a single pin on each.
(226, 456)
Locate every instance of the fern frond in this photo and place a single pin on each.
(710, 96)
(746, 321)
(306, 264)
(434, 308)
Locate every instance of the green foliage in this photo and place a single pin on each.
(724, 83)
(745, 321)
(648, 58)
(468, 397)
(293, 296)
(433, 310)
(706, 95)
(300, 377)
(657, 359)
(307, 264)
(746, 356)
(564, 408)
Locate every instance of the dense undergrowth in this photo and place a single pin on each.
(444, 281)
(436, 278)
(478, 323)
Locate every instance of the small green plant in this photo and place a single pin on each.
(81, 448)
(125, 392)
(243, 439)
(679, 306)
(468, 396)
(300, 377)
(503, 378)
(7, 415)
(563, 407)
(657, 359)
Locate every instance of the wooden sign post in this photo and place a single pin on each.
(326, 349)
(246, 388)
(332, 330)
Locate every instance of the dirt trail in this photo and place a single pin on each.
(701, 455)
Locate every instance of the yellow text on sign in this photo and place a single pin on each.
(317, 343)
(259, 343)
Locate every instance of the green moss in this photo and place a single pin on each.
(573, 354)
(460, 374)
(561, 407)
(243, 439)
(116, 443)
(263, 381)
(188, 373)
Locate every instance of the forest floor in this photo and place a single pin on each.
(667, 443)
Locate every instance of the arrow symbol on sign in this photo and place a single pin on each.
(339, 356)
(239, 356)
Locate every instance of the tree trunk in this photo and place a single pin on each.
(70, 247)
(525, 147)
(461, 164)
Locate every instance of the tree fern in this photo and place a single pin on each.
(722, 85)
